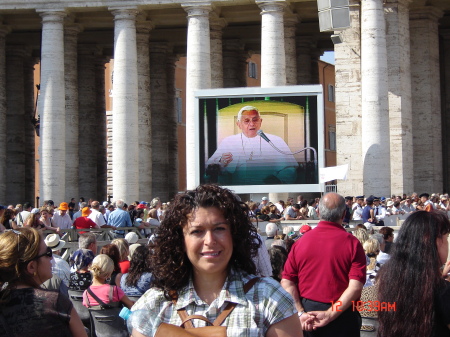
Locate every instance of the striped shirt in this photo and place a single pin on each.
(265, 304)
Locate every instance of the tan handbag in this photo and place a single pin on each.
(186, 329)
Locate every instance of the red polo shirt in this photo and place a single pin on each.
(323, 261)
(83, 222)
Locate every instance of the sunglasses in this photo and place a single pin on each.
(48, 253)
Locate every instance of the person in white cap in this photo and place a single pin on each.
(131, 237)
(264, 202)
(60, 267)
(248, 159)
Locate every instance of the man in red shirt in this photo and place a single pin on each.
(325, 271)
(83, 221)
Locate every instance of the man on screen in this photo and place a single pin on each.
(248, 159)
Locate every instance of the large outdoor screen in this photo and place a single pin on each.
(255, 140)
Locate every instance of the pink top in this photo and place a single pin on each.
(102, 292)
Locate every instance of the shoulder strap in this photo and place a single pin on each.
(100, 302)
(230, 306)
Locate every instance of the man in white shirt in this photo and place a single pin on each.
(379, 211)
(60, 218)
(96, 215)
(22, 217)
(60, 267)
(358, 208)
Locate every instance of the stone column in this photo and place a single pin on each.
(374, 97)
(315, 57)
(72, 119)
(348, 104)
(217, 24)
(273, 57)
(100, 113)
(290, 25)
(52, 108)
(15, 125)
(400, 117)
(88, 136)
(445, 34)
(426, 99)
(304, 61)
(159, 122)
(125, 107)
(29, 127)
(144, 103)
(198, 76)
(232, 58)
(172, 128)
(3, 31)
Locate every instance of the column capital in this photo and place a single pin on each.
(128, 13)
(201, 8)
(216, 22)
(144, 27)
(72, 29)
(49, 15)
(270, 6)
(425, 13)
(290, 18)
(159, 47)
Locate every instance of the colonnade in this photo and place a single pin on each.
(388, 99)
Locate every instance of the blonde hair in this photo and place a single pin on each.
(17, 248)
(372, 249)
(102, 266)
(361, 235)
(123, 246)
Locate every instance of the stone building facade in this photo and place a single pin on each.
(392, 88)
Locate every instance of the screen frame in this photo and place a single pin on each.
(297, 90)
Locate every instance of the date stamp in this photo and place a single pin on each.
(366, 306)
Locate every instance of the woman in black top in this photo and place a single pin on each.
(25, 308)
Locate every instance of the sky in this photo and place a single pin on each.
(328, 56)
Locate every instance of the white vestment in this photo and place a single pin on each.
(255, 161)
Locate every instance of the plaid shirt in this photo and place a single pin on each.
(265, 304)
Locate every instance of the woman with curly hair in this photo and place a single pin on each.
(413, 279)
(137, 281)
(25, 308)
(201, 262)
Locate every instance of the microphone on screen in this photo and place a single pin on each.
(263, 135)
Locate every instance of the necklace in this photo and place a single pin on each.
(250, 155)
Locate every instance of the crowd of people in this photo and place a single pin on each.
(208, 268)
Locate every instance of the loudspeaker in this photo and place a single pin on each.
(327, 4)
(334, 19)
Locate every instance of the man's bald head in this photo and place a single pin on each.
(332, 207)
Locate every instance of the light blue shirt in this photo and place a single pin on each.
(120, 218)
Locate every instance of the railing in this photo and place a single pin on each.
(72, 235)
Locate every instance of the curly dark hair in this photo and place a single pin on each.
(113, 252)
(412, 275)
(170, 264)
(139, 264)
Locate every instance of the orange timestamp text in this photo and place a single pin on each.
(366, 306)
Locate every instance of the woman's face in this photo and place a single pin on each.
(442, 246)
(44, 214)
(44, 268)
(208, 241)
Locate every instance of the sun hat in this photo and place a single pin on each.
(54, 242)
